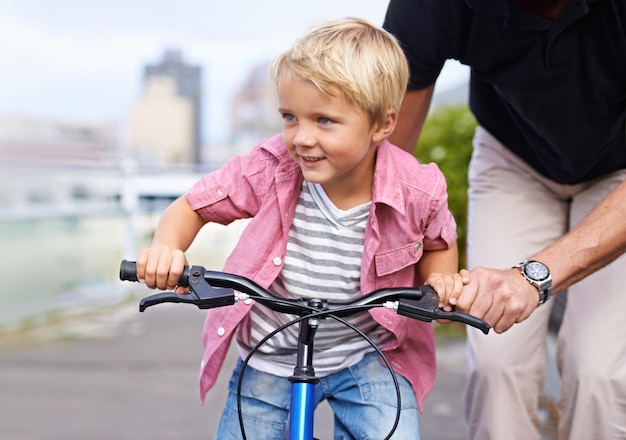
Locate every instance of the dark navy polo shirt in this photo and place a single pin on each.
(552, 92)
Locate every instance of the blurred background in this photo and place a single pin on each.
(110, 110)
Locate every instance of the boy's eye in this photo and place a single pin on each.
(289, 117)
(325, 121)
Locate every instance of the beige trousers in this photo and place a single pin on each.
(513, 213)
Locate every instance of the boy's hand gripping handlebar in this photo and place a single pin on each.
(210, 289)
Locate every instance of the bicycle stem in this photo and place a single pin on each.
(303, 380)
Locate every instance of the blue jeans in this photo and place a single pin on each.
(362, 397)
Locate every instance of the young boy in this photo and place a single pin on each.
(336, 211)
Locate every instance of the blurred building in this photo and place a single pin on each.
(255, 109)
(165, 124)
(54, 166)
(50, 141)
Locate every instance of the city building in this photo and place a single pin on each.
(165, 124)
(54, 141)
(255, 109)
(54, 166)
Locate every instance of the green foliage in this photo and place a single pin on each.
(446, 139)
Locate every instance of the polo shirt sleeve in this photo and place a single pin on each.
(427, 31)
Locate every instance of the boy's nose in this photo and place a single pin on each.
(304, 137)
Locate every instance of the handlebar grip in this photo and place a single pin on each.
(128, 271)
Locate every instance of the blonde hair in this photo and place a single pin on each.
(352, 57)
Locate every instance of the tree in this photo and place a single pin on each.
(446, 139)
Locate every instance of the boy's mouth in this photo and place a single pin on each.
(312, 159)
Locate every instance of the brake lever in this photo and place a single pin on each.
(464, 318)
(427, 308)
(201, 294)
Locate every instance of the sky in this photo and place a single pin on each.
(84, 60)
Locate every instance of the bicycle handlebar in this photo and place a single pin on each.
(210, 289)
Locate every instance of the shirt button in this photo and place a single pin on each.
(221, 331)
(277, 261)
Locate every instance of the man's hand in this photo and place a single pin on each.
(500, 297)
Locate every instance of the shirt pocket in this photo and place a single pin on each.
(394, 260)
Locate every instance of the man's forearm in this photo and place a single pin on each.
(598, 240)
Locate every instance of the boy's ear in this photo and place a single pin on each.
(386, 126)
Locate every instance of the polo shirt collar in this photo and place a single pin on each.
(516, 16)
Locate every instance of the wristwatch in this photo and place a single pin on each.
(539, 276)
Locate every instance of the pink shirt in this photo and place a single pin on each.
(409, 214)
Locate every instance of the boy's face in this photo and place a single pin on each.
(332, 141)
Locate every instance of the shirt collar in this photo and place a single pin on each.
(516, 16)
(387, 178)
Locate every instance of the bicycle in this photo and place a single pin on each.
(210, 289)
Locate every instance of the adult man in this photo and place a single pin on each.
(548, 88)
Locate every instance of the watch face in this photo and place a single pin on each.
(536, 271)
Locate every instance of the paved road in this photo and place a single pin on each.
(126, 375)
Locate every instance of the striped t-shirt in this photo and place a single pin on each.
(323, 260)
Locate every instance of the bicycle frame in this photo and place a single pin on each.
(303, 381)
(209, 289)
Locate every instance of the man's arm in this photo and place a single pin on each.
(413, 112)
(504, 297)
(597, 241)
